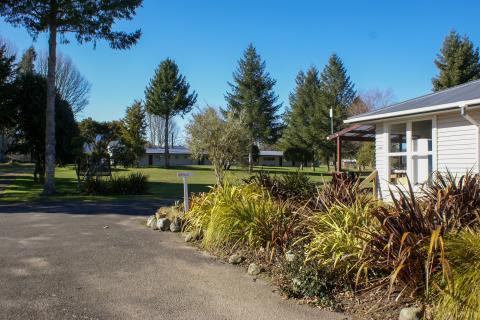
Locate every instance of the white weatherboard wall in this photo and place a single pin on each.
(380, 157)
(457, 147)
(457, 143)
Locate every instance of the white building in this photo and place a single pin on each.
(181, 156)
(414, 138)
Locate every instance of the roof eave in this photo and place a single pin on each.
(430, 109)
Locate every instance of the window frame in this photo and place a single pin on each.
(409, 153)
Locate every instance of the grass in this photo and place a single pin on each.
(163, 183)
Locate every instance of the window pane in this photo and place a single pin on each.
(422, 168)
(398, 170)
(398, 137)
(422, 136)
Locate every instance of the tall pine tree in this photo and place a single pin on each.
(6, 78)
(134, 129)
(337, 92)
(87, 21)
(299, 138)
(27, 63)
(251, 95)
(167, 95)
(457, 62)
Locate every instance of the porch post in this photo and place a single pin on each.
(339, 154)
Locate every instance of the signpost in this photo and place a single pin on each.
(184, 176)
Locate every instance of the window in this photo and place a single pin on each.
(410, 151)
(397, 153)
(422, 156)
(268, 158)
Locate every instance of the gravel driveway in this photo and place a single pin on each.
(61, 261)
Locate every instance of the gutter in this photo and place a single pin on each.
(436, 108)
(469, 118)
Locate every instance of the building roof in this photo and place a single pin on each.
(271, 153)
(184, 150)
(177, 150)
(467, 93)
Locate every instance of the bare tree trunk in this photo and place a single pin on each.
(218, 168)
(167, 155)
(49, 187)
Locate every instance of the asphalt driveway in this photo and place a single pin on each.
(95, 261)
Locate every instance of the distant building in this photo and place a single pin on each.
(181, 156)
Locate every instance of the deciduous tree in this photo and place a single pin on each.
(91, 20)
(70, 83)
(223, 137)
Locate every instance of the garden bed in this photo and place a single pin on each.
(336, 247)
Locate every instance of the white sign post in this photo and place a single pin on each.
(184, 176)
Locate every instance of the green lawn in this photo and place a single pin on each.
(164, 183)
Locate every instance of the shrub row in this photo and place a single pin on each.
(134, 183)
(420, 245)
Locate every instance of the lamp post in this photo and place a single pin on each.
(331, 128)
(331, 120)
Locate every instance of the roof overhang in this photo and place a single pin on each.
(356, 132)
(417, 111)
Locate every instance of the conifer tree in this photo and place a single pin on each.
(167, 95)
(251, 95)
(6, 78)
(88, 21)
(299, 138)
(337, 92)
(27, 63)
(457, 62)
(134, 129)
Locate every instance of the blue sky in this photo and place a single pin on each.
(384, 44)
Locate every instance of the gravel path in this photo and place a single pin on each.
(95, 261)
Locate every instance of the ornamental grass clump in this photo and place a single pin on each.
(235, 216)
(335, 238)
(460, 299)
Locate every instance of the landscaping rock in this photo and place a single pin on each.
(153, 225)
(412, 313)
(150, 220)
(163, 224)
(254, 269)
(289, 256)
(176, 225)
(235, 258)
(189, 237)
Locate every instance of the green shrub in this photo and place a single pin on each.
(308, 280)
(461, 300)
(291, 186)
(134, 183)
(336, 237)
